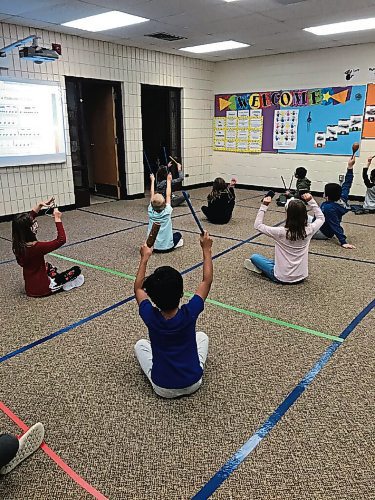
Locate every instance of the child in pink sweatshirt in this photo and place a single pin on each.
(291, 242)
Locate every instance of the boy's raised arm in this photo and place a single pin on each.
(152, 188)
(208, 270)
(140, 294)
(168, 192)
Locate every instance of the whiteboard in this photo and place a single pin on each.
(31, 123)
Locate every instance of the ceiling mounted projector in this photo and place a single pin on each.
(34, 53)
(38, 55)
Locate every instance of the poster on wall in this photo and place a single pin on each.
(369, 121)
(285, 129)
(239, 132)
(31, 123)
(326, 120)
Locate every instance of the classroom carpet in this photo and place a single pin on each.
(68, 361)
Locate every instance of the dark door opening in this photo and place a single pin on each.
(96, 139)
(161, 127)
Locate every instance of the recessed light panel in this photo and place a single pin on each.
(106, 21)
(215, 47)
(344, 27)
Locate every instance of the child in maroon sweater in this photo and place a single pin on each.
(41, 278)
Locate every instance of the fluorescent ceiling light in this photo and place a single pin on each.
(230, 0)
(106, 21)
(345, 27)
(215, 47)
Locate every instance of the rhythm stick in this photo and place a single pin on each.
(176, 162)
(355, 148)
(282, 178)
(186, 196)
(153, 234)
(148, 163)
(165, 155)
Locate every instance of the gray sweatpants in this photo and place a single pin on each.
(318, 235)
(143, 352)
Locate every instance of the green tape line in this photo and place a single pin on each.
(98, 268)
(210, 301)
(270, 320)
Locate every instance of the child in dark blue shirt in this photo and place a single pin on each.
(335, 207)
(174, 358)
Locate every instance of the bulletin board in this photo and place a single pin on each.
(31, 123)
(312, 121)
(369, 121)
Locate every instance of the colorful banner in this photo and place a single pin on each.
(313, 121)
(369, 122)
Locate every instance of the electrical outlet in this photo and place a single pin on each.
(186, 175)
(341, 179)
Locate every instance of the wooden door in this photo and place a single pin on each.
(101, 125)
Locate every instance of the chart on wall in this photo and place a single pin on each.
(312, 121)
(369, 122)
(31, 123)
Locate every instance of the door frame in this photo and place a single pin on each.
(119, 127)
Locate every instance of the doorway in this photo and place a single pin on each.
(96, 140)
(161, 128)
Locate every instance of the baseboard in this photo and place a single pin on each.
(282, 190)
(196, 186)
(137, 196)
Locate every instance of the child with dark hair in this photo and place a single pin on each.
(174, 358)
(221, 202)
(160, 211)
(291, 242)
(335, 207)
(41, 278)
(303, 184)
(161, 183)
(13, 451)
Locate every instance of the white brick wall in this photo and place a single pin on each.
(21, 187)
(302, 70)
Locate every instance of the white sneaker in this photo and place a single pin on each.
(28, 443)
(180, 243)
(77, 282)
(250, 266)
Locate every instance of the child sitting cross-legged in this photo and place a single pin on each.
(160, 211)
(291, 241)
(174, 358)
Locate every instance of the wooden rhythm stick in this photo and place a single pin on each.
(355, 148)
(153, 234)
(176, 162)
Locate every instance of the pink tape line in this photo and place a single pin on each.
(78, 479)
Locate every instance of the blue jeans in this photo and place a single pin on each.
(267, 266)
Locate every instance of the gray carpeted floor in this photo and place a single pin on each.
(100, 413)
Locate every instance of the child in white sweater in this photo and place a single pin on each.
(291, 242)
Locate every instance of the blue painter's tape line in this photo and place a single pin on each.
(231, 465)
(65, 329)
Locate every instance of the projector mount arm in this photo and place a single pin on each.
(19, 43)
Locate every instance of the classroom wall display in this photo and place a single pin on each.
(369, 121)
(312, 121)
(239, 131)
(31, 123)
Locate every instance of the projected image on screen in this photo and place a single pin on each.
(31, 123)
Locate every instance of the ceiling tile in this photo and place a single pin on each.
(62, 12)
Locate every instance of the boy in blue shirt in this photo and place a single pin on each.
(174, 358)
(160, 210)
(335, 207)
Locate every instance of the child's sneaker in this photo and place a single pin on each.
(250, 266)
(28, 443)
(53, 286)
(180, 243)
(77, 282)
